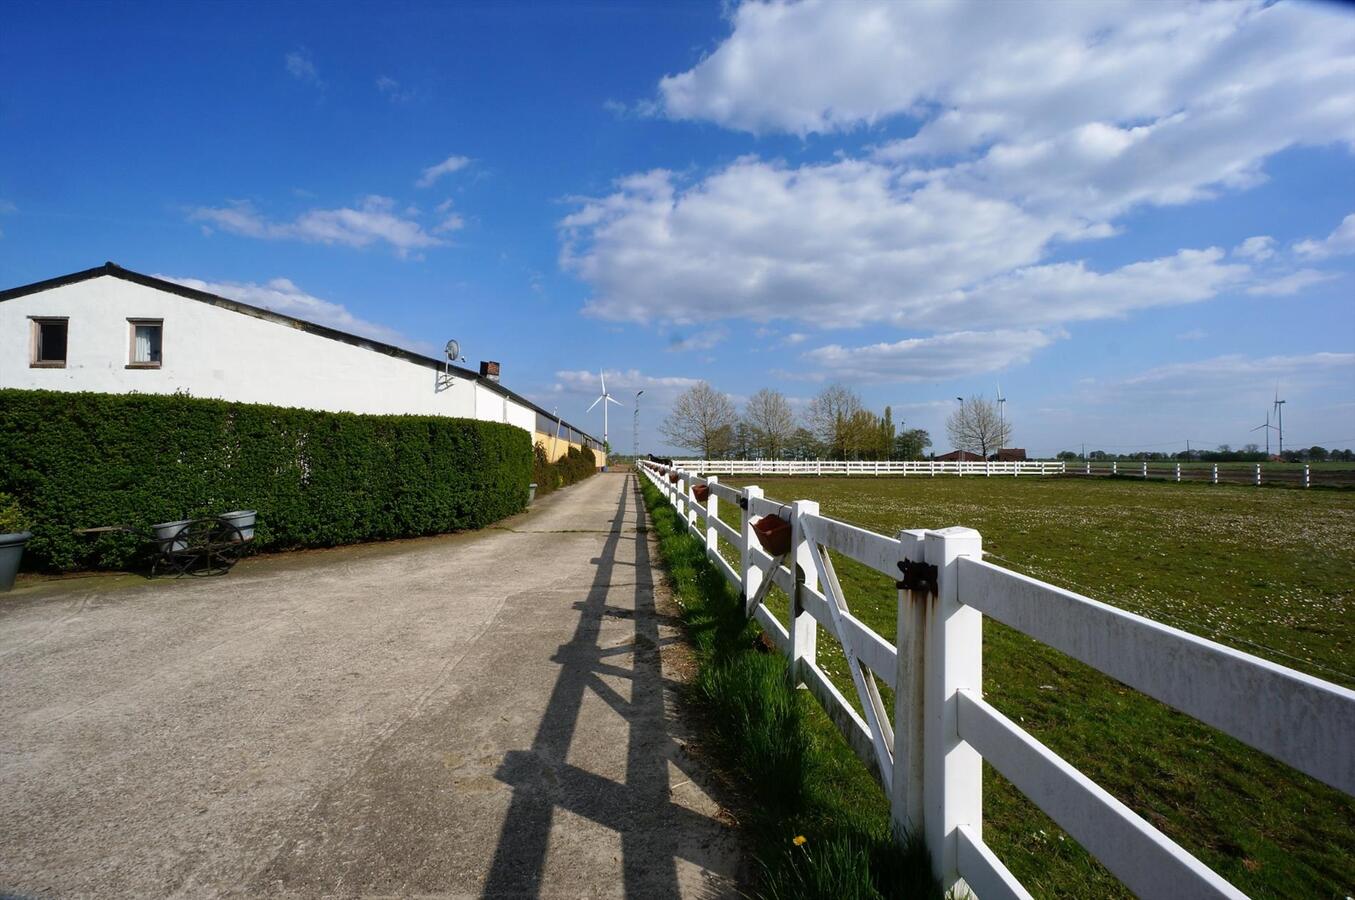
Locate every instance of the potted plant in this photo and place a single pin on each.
(14, 534)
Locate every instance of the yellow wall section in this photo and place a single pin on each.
(556, 448)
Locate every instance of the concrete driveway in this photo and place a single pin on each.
(490, 714)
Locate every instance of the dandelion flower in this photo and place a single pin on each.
(799, 840)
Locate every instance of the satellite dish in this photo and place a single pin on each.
(453, 350)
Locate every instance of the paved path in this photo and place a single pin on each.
(472, 715)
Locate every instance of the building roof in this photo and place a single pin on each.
(116, 271)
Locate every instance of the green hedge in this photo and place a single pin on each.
(317, 479)
(574, 466)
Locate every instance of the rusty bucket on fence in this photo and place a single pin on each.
(773, 533)
(673, 478)
(701, 492)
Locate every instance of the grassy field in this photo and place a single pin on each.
(1269, 572)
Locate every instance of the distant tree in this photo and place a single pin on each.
(1252, 448)
(770, 421)
(832, 417)
(885, 444)
(977, 427)
(702, 420)
(911, 443)
(1317, 454)
(1067, 454)
(803, 445)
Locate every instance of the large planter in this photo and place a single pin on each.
(531, 493)
(244, 520)
(11, 551)
(167, 533)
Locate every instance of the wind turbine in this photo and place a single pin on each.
(1001, 415)
(1267, 426)
(604, 398)
(1279, 412)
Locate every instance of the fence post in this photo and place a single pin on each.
(1178, 471)
(689, 497)
(803, 629)
(1145, 469)
(750, 575)
(712, 513)
(1258, 474)
(905, 793)
(1115, 467)
(1088, 464)
(1307, 476)
(953, 770)
(1216, 473)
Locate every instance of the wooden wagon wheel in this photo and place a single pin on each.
(205, 547)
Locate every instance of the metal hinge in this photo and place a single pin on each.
(917, 576)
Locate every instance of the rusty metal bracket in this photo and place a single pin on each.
(917, 576)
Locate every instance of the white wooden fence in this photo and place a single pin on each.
(929, 755)
(922, 467)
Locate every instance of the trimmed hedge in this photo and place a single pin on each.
(317, 479)
(576, 465)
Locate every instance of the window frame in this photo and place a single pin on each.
(132, 323)
(34, 342)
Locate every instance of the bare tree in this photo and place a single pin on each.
(833, 416)
(702, 419)
(978, 427)
(771, 421)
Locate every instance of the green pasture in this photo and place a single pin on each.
(1270, 572)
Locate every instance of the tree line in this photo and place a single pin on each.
(835, 425)
(1223, 453)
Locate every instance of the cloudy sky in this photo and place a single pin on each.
(1139, 218)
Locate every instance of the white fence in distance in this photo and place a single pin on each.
(923, 467)
(928, 756)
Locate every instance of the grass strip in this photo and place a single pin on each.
(817, 824)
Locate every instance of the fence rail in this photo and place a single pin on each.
(928, 751)
(924, 467)
(1292, 475)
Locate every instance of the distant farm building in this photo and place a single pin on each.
(114, 331)
(959, 456)
(1010, 454)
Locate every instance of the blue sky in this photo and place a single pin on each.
(1133, 216)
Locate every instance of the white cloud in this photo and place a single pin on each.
(390, 89)
(301, 67)
(446, 167)
(1259, 248)
(1288, 285)
(450, 219)
(1234, 371)
(1194, 334)
(374, 220)
(281, 295)
(959, 354)
(697, 339)
(1338, 243)
(620, 381)
(847, 243)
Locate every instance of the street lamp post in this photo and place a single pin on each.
(636, 437)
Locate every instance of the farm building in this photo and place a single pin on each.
(960, 456)
(111, 330)
(1010, 454)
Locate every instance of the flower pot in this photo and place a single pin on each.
(244, 520)
(673, 478)
(11, 551)
(701, 492)
(167, 533)
(773, 533)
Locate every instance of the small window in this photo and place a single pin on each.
(146, 343)
(49, 343)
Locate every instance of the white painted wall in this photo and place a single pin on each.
(210, 351)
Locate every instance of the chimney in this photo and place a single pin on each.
(489, 369)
